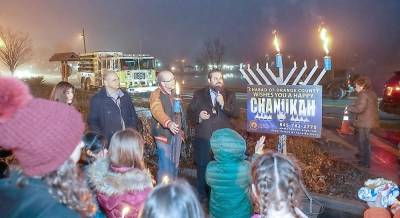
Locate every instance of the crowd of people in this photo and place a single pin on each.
(63, 171)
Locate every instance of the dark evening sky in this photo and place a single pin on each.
(366, 33)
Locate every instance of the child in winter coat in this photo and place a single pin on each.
(121, 181)
(229, 175)
(44, 136)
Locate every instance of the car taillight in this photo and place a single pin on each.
(391, 89)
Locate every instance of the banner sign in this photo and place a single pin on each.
(285, 109)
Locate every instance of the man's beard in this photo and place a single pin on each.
(217, 88)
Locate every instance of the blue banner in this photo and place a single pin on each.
(285, 109)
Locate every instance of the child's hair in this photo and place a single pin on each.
(277, 181)
(94, 143)
(4, 169)
(173, 200)
(71, 189)
(60, 90)
(363, 81)
(126, 149)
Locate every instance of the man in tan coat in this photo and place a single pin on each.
(166, 126)
(367, 117)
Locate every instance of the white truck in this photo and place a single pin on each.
(137, 72)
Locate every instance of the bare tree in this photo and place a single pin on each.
(212, 53)
(15, 48)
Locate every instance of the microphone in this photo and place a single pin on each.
(217, 105)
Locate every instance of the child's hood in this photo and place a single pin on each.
(102, 179)
(227, 145)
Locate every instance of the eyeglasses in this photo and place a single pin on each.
(167, 81)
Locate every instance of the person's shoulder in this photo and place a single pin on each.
(229, 91)
(201, 91)
(58, 208)
(126, 98)
(212, 165)
(34, 187)
(156, 90)
(362, 94)
(126, 94)
(367, 94)
(99, 94)
(371, 93)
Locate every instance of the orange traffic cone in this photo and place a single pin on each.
(345, 128)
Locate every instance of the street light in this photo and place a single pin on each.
(84, 39)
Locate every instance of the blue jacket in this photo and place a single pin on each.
(229, 176)
(32, 200)
(104, 114)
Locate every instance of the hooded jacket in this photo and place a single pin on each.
(229, 176)
(116, 191)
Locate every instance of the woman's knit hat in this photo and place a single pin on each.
(42, 134)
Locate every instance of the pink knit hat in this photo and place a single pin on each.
(42, 134)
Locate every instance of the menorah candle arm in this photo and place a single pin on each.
(311, 73)
(320, 76)
(263, 76)
(246, 77)
(290, 74)
(271, 74)
(254, 76)
(300, 74)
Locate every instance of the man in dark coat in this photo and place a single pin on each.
(210, 109)
(111, 109)
(367, 117)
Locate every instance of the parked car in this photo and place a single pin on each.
(391, 95)
(338, 84)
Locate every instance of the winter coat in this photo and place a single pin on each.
(116, 191)
(220, 119)
(104, 115)
(229, 176)
(32, 200)
(161, 107)
(366, 110)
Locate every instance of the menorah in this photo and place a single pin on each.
(285, 79)
(253, 79)
(281, 80)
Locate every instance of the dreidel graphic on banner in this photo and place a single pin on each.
(345, 128)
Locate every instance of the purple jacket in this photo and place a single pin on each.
(116, 189)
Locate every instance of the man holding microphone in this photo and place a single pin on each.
(211, 109)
